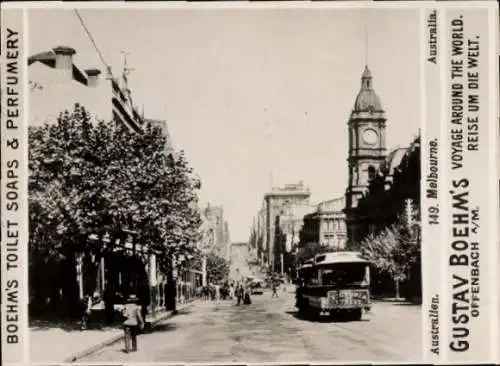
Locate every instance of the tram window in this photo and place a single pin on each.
(313, 278)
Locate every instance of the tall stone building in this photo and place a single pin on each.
(326, 226)
(289, 224)
(261, 234)
(227, 240)
(215, 218)
(257, 243)
(367, 148)
(277, 202)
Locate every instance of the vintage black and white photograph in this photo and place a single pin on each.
(214, 185)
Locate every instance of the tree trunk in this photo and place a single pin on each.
(396, 285)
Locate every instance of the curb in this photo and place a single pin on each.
(119, 337)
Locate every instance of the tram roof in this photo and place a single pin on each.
(339, 257)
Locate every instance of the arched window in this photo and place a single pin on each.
(371, 172)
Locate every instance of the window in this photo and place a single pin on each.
(313, 279)
(343, 274)
(371, 172)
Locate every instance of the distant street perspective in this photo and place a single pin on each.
(228, 193)
(270, 329)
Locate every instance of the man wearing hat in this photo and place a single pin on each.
(133, 322)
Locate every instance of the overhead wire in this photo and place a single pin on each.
(89, 34)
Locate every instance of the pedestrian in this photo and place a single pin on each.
(86, 311)
(239, 293)
(275, 290)
(133, 322)
(231, 292)
(247, 300)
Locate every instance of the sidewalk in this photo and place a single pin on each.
(57, 344)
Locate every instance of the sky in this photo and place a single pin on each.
(255, 97)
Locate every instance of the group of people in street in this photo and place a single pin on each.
(243, 295)
(134, 317)
(226, 291)
(216, 292)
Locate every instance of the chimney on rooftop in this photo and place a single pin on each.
(64, 60)
(92, 77)
(64, 57)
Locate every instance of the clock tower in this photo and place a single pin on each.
(367, 150)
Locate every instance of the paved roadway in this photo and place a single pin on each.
(269, 330)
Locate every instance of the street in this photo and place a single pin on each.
(269, 330)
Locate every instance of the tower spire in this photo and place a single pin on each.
(366, 45)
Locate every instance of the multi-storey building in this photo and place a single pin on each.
(57, 83)
(289, 224)
(326, 225)
(215, 217)
(227, 240)
(277, 202)
(257, 242)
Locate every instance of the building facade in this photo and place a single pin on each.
(57, 83)
(221, 235)
(279, 201)
(395, 186)
(261, 235)
(227, 241)
(326, 225)
(289, 223)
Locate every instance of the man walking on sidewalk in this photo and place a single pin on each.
(275, 290)
(132, 323)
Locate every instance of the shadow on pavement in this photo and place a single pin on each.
(71, 325)
(405, 304)
(183, 312)
(397, 301)
(163, 327)
(336, 318)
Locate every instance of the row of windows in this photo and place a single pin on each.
(337, 243)
(333, 225)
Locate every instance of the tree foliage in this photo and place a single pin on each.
(217, 268)
(393, 250)
(97, 178)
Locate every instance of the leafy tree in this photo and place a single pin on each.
(393, 250)
(91, 178)
(217, 268)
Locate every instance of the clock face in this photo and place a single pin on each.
(370, 137)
